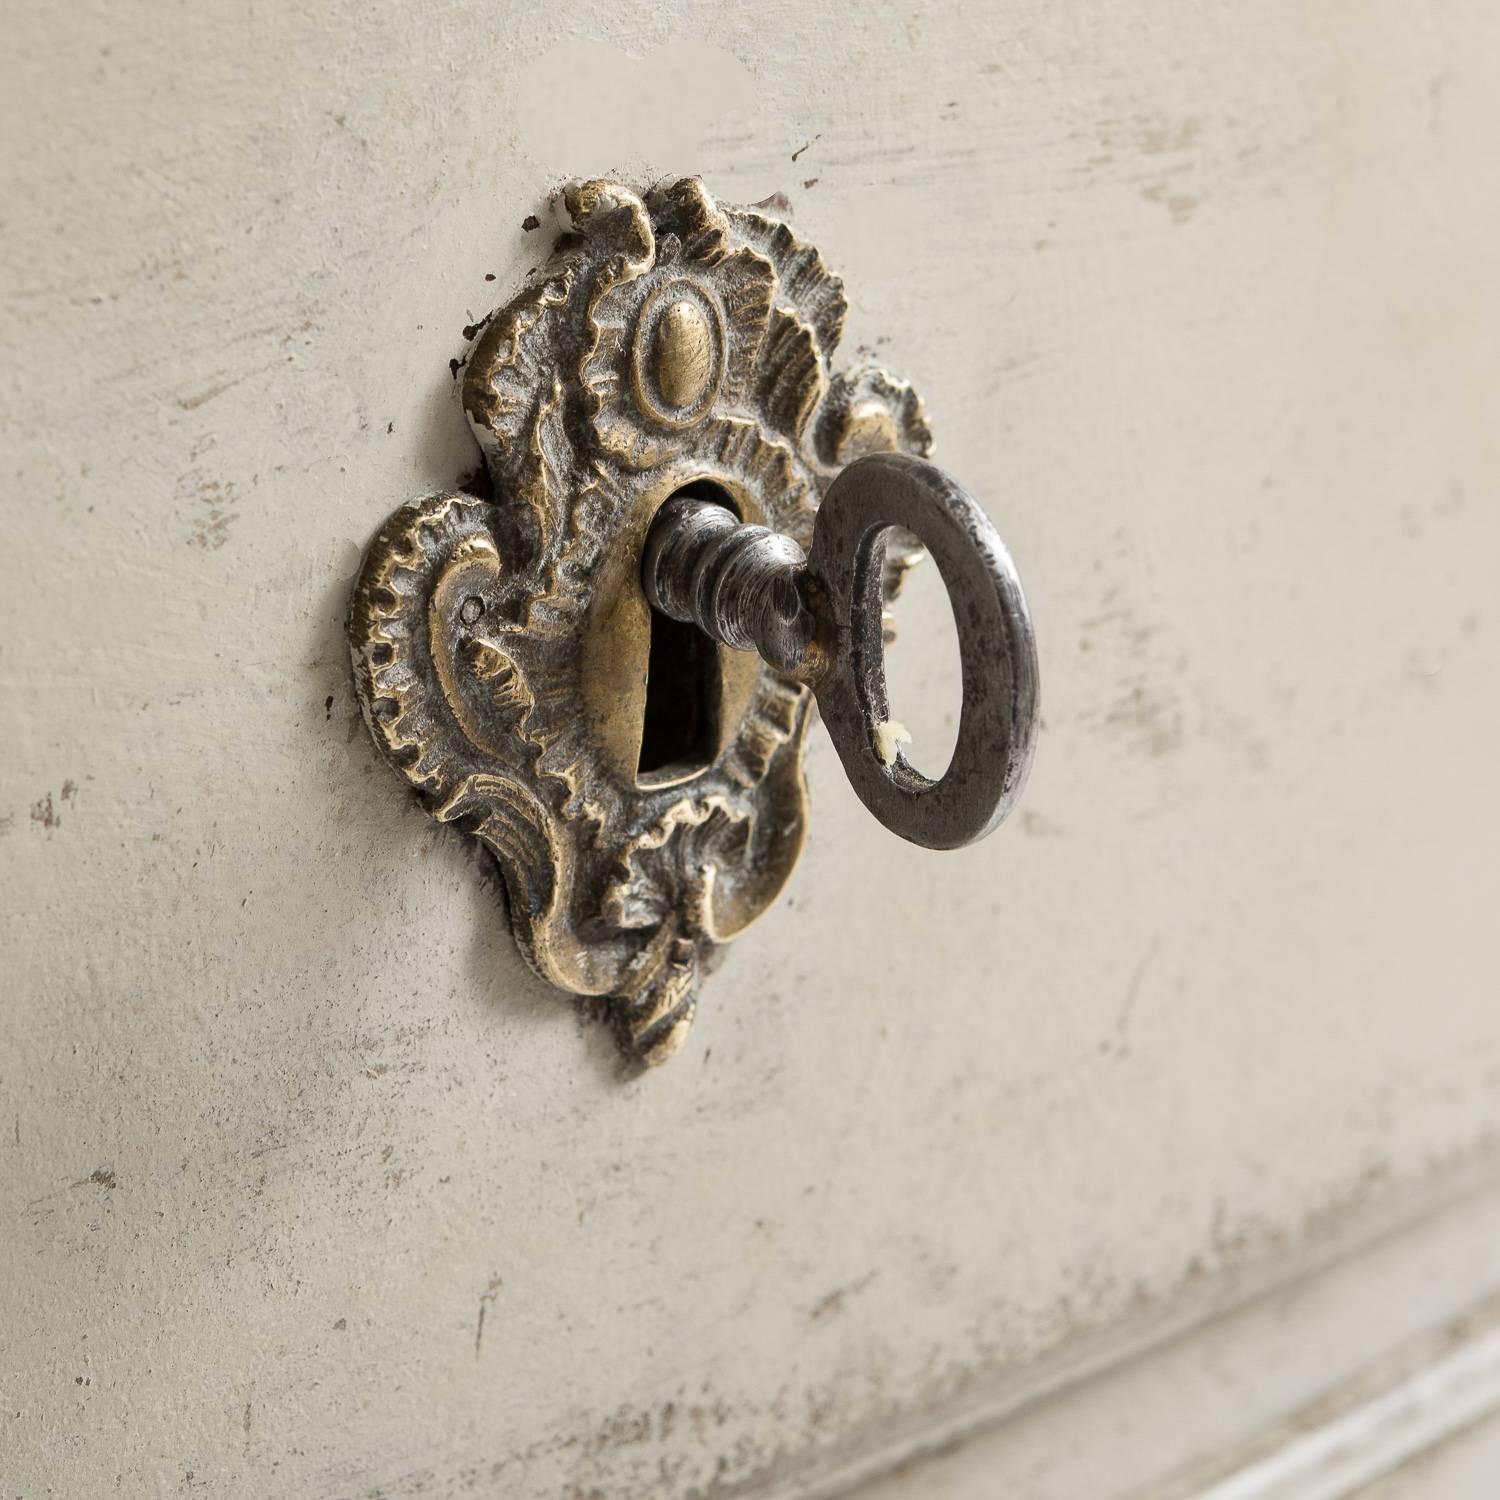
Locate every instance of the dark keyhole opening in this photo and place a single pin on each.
(680, 735)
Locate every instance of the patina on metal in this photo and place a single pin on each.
(822, 622)
(639, 785)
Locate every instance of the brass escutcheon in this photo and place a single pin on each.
(639, 785)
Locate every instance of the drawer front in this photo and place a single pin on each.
(311, 1186)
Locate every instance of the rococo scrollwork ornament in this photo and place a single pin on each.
(503, 650)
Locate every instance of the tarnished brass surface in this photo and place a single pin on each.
(500, 647)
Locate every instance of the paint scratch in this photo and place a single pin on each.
(486, 1298)
(1119, 1043)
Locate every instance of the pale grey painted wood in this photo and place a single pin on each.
(1351, 1382)
(1467, 1467)
(1203, 302)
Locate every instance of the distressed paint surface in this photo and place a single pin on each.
(1307, 1393)
(1202, 300)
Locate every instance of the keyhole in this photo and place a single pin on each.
(684, 689)
(681, 727)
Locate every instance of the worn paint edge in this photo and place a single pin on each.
(1432, 1403)
(933, 1432)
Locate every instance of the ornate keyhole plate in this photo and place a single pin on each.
(501, 647)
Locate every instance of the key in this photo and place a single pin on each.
(819, 620)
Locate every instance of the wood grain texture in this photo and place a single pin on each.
(1203, 304)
